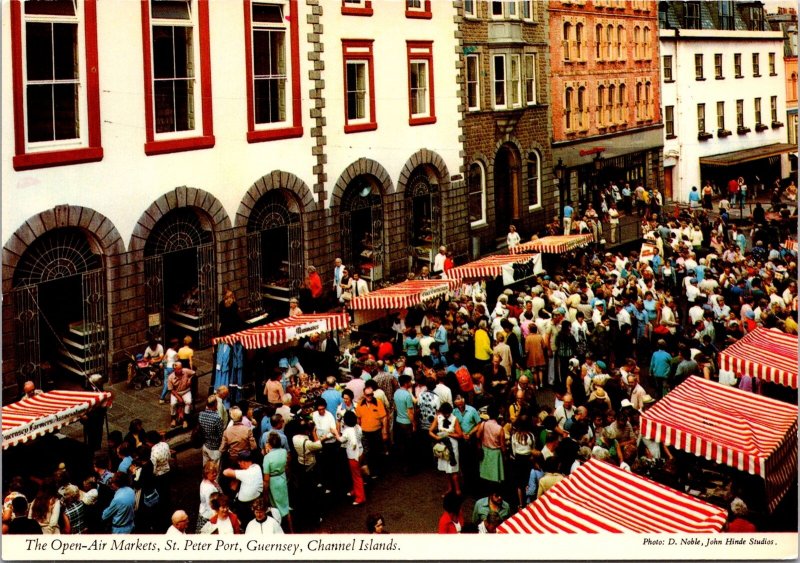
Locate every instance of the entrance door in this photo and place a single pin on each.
(95, 340)
(668, 183)
(154, 295)
(254, 296)
(506, 189)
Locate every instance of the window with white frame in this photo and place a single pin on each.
(527, 10)
(470, 8)
(740, 114)
(497, 9)
(757, 110)
(568, 101)
(698, 67)
(737, 65)
(473, 83)
(504, 9)
(420, 83)
(721, 116)
(514, 81)
(667, 64)
(359, 86)
(756, 64)
(669, 121)
(270, 50)
(357, 8)
(773, 106)
(701, 118)
(477, 194)
(534, 180)
(499, 81)
(621, 103)
(718, 65)
(530, 78)
(771, 62)
(418, 9)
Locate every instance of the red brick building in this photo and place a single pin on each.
(604, 92)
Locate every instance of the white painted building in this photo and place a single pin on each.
(724, 101)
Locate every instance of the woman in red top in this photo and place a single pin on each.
(451, 520)
(314, 286)
(739, 524)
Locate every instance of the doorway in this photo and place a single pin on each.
(506, 191)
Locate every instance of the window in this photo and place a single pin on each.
(477, 194)
(621, 101)
(56, 100)
(610, 105)
(701, 118)
(178, 90)
(620, 42)
(667, 68)
(669, 121)
(497, 9)
(473, 83)
(504, 9)
(637, 37)
(773, 108)
(740, 114)
(421, 109)
(757, 110)
(771, 61)
(530, 79)
(648, 101)
(718, 65)
(359, 86)
(565, 43)
(534, 180)
(726, 14)
(754, 17)
(756, 65)
(568, 101)
(499, 81)
(470, 8)
(527, 7)
(639, 108)
(721, 116)
(598, 42)
(601, 96)
(698, 67)
(691, 18)
(418, 9)
(579, 54)
(737, 65)
(357, 7)
(582, 124)
(273, 87)
(646, 42)
(609, 41)
(514, 81)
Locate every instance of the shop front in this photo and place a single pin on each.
(758, 166)
(361, 220)
(423, 209)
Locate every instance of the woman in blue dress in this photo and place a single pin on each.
(275, 461)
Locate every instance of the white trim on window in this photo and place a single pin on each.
(481, 192)
(499, 78)
(473, 80)
(530, 79)
(534, 181)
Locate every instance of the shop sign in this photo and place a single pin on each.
(307, 329)
(432, 292)
(154, 319)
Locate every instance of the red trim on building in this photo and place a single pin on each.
(366, 10)
(296, 128)
(74, 155)
(424, 14)
(427, 56)
(359, 44)
(206, 139)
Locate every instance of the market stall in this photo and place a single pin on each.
(767, 354)
(553, 244)
(580, 504)
(285, 330)
(403, 295)
(790, 245)
(742, 430)
(32, 417)
(511, 267)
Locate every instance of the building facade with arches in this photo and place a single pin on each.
(147, 188)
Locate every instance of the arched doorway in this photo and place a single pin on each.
(180, 277)
(424, 210)
(275, 252)
(506, 190)
(361, 219)
(60, 308)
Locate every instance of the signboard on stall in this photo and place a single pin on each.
(647, 252)
(513, 273)
(307, 329)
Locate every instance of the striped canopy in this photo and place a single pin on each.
(288, 329)
(724, 424)
(32, 417)
(553, 244)
(600, 497)
(403, 295)
(489, 266)
(790, 244)
(765, 353)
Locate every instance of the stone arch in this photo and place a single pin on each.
(357, 168)
(181, 196)
(100, 231)
(430, 158)
(273, 180)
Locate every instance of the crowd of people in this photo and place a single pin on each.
(505, 391)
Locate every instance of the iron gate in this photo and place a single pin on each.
(95, 341)
(154, 295)
(254, 277)
(206, 285)
(354, 201)
(26, 318)
(296, 274)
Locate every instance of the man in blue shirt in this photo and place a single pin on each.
(333, 398)
(405, 422)
(121, 509)
(440, 336)
(469, 420)
(568, 218)
(660, 367)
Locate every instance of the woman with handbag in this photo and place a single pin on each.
(446, 430)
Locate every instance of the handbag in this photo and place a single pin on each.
(440, 451)
(150, 499)
(347, 296)
(661, 330)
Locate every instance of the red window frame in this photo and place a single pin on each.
(206, 139)
(423, 14)
(357, 54)
(417, 47)
(296, 128)
(93, 152)
(365, 10)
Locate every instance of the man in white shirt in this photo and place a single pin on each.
(696, 313)
(251, 485)
(338, 270)
(360, 286)
(267, 520)
(564, 413)
(180, 522)
(438, 262)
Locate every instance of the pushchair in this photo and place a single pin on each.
(142, 373)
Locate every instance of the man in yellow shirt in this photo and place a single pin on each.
(371, 415)
(483, 346)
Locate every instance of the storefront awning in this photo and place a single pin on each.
(512, 267)
(286, 330)
(765, 353)
(403, 295)
(600, 497)
(746, 155)
(553, 244)
(47, 412)
(790, 244)
(726, 425)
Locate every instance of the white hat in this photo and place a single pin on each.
(95, 378)
(625, 403)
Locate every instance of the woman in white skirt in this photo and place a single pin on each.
(445, 429)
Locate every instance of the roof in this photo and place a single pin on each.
(493, 266)
(600, 497)
(765, 353)
(404, 294)
(290, 328)
(737, 428)
(30, 418)
(553, 244)
(746, 155)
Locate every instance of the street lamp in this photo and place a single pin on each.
(559, 170)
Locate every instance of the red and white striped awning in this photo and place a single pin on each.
(286, 330)
(489, 266)
(32, 417)
(724, 424)
(403, 295)
(553, 244)
(600, 497)
(765, 353)
(790, 244)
